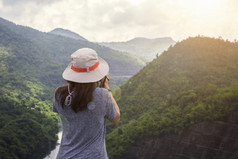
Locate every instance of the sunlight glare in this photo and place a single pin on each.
(201, 7)
(0, 4)
(135, 2)
(206, 6)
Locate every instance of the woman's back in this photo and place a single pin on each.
(83, 107)
(84, 132)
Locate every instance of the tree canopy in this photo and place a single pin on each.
(194, 81)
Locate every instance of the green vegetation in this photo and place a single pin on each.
(27, 123)
(59, 49)
(194, 81)
(31, 64)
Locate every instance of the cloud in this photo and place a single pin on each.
(117, 20)
(17, 2)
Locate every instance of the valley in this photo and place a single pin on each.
(168, 102)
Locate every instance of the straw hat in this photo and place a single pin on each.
(85, 67)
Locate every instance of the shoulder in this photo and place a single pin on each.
(101, 93)
(99, 90)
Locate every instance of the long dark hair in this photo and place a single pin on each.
(82, 95)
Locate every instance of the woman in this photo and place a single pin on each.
(83, 105)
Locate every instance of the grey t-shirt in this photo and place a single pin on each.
(84, 132)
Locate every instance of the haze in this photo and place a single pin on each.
(120, 20)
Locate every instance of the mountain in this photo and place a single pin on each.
(31, 66)
(211, 139)
(194, 81)
(60, 48)
(146, 49)
(27, 123)
(67, 33)
(189, 87)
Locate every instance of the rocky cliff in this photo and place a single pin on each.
(207, 140)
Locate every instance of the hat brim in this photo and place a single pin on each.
(87, 77)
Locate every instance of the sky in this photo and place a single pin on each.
(122, 20)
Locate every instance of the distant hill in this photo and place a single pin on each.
(67, 33)
(147, 49)
(194, 81)
(60, 49)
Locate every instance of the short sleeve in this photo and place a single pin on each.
(111, 111)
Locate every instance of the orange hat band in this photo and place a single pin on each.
(85, 69)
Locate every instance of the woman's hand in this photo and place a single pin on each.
(104, 83)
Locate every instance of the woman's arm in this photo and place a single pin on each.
(117, 119)
(104, 84)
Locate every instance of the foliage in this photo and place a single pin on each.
(194, 81)
(31, 64)
(60, 48)
(27, 123)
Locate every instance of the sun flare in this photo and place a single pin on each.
(135, 1)
(195, 7)
(207, 6)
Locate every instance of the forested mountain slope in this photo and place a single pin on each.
(194, 81)
(31, 66)
(205, 140)
(146, 49)
(61, 47)
(27, 123)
